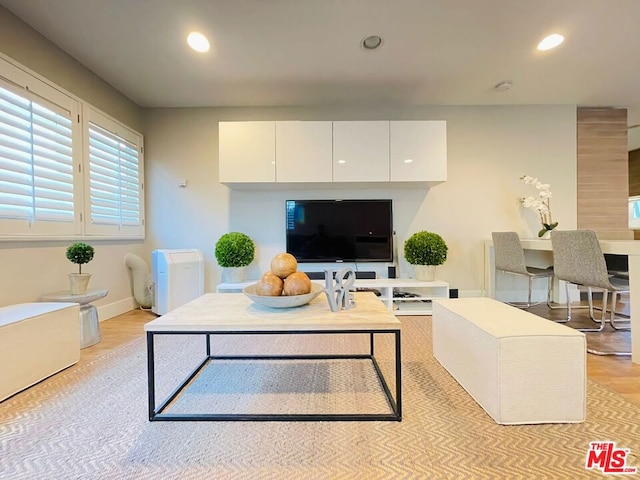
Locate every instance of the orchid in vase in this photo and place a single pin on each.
(540, 204)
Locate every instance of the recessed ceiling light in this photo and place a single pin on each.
(550, 41)
(408, 160)
(198, 42)
(371, 42)
(342, 162)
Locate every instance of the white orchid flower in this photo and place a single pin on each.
(539, 204)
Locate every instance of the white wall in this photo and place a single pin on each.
(22, 43)
(31, 269)
(489, 148)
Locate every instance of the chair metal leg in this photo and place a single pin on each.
(605, 294)
(555, 307)
(561, 306)
(612, 320)
(604, 299)
(527, 305)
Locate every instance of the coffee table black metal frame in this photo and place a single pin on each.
(157, 413)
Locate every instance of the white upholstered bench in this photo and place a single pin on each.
(521, 368)
(36, 341)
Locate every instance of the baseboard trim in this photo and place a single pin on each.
(470, 293)
(105, 312)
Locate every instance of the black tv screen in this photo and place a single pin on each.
(340, 230)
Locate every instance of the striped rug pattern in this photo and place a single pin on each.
(91, 422)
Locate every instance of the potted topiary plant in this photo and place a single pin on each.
(425, 250)
(234, 251)
(79, 253)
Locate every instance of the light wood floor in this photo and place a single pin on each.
(617, 373)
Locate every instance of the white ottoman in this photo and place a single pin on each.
(36, 341)
(521, 368)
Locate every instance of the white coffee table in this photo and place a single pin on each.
(232, 314)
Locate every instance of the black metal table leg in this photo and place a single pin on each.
(157, 413)
(151, 384)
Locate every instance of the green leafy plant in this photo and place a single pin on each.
(234, 249)
(425, 248)
(80, 253)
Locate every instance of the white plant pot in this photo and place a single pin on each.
(425, 273)
(78, 282)
(233, 274)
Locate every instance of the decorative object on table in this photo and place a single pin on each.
(79, 253)
(270, 285)
(282, 301)
(338, 288)
(540, 204)
(425, 250)
(283, 286)
(283, 278)
(284, 264)
(234, 251)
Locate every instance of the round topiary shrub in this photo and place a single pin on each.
(234, 249)
(80, 253)
(425, 248)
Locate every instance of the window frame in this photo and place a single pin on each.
(92, 115)
(24, 82)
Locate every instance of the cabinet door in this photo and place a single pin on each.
(418, 151)
(247, 152)
(303, 152)
(361, 151)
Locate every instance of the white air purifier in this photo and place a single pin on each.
(178, 277)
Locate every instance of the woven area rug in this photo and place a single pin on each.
(91, 422)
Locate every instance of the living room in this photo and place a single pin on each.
(490, 145)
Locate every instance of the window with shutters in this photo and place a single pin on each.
(62, 174)
(38, 143)
(114, 177)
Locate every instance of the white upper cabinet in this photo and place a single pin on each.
(361, 151)
(333, 152)
(418, 151)
(247, 152)
(303, 152)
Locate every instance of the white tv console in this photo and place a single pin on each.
(391, 293)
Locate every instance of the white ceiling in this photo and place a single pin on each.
(307, 52)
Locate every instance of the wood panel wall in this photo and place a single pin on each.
(603, 172)
(634, 172)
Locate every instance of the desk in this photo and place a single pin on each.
(89, 326)
(630, 248)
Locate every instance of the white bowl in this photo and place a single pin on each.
(283, 301)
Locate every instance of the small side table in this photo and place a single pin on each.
(89, 326)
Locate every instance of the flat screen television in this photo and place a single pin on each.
(340, 230)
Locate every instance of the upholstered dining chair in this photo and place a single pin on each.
(509, 258)
(578, 260)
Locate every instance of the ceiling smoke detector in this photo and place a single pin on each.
(371, 42)
(503, 86)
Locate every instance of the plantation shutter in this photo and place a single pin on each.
(115, 178)
(36, 164)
